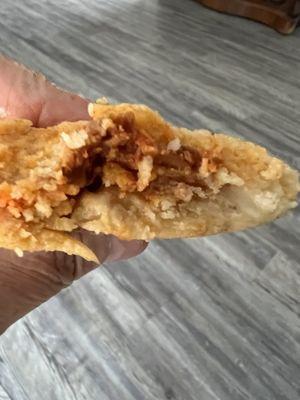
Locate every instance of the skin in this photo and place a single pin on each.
(27, 282)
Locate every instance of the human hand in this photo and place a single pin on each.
(27, 282)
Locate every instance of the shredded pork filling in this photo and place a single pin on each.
(110, 153)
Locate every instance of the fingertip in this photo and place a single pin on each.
(123, 249)
(62, 106)
(109, 248)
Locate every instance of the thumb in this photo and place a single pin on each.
(107, 248)
(28, 281)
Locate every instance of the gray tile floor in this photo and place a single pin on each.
(201, 319)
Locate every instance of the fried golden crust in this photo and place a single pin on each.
(153, 180)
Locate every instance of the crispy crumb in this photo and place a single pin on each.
(28, 215)
(267, 200)
(174, 145)
(203, 170)
(76, 139)
(183, 192)
(14, 211)
(273, 171)
(19, 252)
(24, 234)
(145, 167)
(43, 206)
(102, 100)
(91, 110)
(166, 204)
(106, 123)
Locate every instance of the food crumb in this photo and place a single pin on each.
(19, 252)
(91, 109)
(174, 144)
(75, 140)
(102, 100)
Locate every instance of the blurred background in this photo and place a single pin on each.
(201, 319)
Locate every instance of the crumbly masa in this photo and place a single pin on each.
(129, 173)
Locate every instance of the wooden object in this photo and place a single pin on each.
(282, 15)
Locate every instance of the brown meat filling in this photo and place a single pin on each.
(110, 153)
(133, 161)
